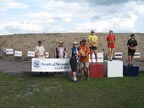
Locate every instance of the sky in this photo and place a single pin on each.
(62, 16)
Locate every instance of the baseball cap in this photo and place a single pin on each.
(84, 40)
(92, 31)
(75, 42)
(61, 42)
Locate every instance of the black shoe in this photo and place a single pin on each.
(76, 81)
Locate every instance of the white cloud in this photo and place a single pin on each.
(20, 27)
(122, 20)
(75, 16)
(9, 4)
(68, 10)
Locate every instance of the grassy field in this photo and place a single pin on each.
(27, 91)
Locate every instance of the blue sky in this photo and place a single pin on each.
(51, 16)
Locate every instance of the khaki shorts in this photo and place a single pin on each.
(84, 64)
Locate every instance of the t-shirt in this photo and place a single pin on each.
(84, 50)
(60, 52)
(74, 52)
(132, 43)
(111, 41)
(92, 40)
(39, 50)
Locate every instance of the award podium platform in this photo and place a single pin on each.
(130, 70)
(113, 68)
(96, 70)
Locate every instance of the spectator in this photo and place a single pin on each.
(73, 60)
(60, 51)
(84, 51)
(132, 43)
(40, 50)
(111, 39)
(93, 41)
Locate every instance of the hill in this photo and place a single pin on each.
(25, 42)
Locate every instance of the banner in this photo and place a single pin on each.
(137, 55)
(8, 51)
(18, 53)
(50, 65)
(100, 57)
(31, 54)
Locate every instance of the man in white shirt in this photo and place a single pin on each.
(60, 51)
(40, 50)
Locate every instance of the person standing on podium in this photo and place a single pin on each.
(93, 41)
(111, 39)
(132, 44)
(84, 51)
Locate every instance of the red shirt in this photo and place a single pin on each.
(111, 41)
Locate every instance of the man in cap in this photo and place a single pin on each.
(93, 41)
(84, 51)
(40, 50)
(132, 44)
(60, 51)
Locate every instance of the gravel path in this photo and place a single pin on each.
(15, 67)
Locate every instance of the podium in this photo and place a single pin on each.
(96, 70)
(131, 70)
(113, 68)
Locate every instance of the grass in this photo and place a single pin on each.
(26, 91)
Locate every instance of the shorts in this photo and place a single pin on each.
(84, 64)
(93, 48)
(111, 45)
(131, 52)
(73, 64)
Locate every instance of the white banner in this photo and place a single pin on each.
(8, 51)
(18, 53)
(137, 55)
(50, 65)
(31, 54)
(100, 57)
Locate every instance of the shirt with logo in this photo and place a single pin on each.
(84, 50)
(92, 40)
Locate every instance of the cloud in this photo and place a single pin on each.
(9, 4)
(76, 16)
(122, 19)
(20, 27)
